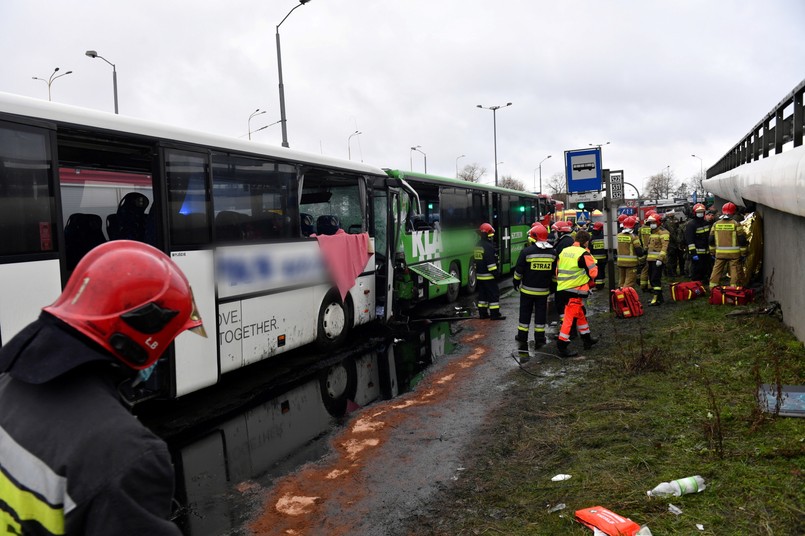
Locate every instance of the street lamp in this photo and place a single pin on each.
(282, 86)
(349, 148)
(93, 54)
(417, 149)
(52, 78)
(461, 156)
(495, 132)
(540, 173)
(701, 172)
(599, 145)
(249, 122)
(261, 128)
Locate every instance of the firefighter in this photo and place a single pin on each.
(565, 233)
(599, 251)
(629, 251)
(533, 275)
(621, 219)
(644, 232)
(656, 256)
(728, 244)
(486, 268)
(576, 272)
(671, 267)
(74, 461)
(697, 236)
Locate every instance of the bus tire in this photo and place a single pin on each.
(472, 278)
(338, 384)
(333, 322)
(453, 289)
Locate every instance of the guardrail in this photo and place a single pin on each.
(783, 124)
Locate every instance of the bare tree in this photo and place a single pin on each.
(556, 184)
(683, 190)
(660, 186)
(512, 184)
(472, 172)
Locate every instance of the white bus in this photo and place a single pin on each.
(236, 216)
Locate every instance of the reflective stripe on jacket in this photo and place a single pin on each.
(697, 236)
(727, 239)
(574, 270)
(485, 260)
(629, 250)
(535, 267)
(658, 245)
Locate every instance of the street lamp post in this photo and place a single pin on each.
(701, 173)
(283, 120)
(93, 54)
(349, 148)
(52, 78)
(249, 122)
(457, 158)
(263, 128)
(540, 172)
(599, 145)
(417, 149)
(495, 132)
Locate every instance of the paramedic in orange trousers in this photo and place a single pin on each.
(74, 460)
(576, 271)
(564, 230)
(486, 268)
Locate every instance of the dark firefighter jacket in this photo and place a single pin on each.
(73, 460)
(597, 247)
(486, 260)
(697, 235)
(535, 269)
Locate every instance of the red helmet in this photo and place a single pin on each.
(698, 207)
(486, 229)
(654, 218)
(538, 232)
(622, 217)
(597, 226)
(629, 222)
(564, 227)
(131, 299)
(729, 208)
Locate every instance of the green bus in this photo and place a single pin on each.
(440, 233)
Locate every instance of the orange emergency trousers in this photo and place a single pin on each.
(574, 282)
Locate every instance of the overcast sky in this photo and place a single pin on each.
(659, 80)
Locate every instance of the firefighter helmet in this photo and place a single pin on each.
(564, 227)
(597, 226)
(698, 207)
(486, 229)
(629, 222)
(729, 208)
(538, 233)
(131, 299)
(654, 218)
(622, 217)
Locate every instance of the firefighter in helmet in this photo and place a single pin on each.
(729, 246)
(644, 232)
(533, 275)
(656, 256)
(576, 272)
(565, 231)
(697, 237)
(75, 461)
(599, 251)
(486, 268)
(629, 251)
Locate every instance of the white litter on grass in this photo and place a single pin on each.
(559, 478)
(560, 506)
(674, 509)
(699, 526)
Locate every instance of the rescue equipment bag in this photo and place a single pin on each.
(625, 302)
(687, 290)
(731, 296)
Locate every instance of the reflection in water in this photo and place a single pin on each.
(218, 472)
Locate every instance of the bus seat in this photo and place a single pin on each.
(327, 224)
(82, 233)
(228, 226)
(130, 222)
(306, 224)
(112, 227)
(355, 228)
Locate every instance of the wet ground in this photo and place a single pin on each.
(356, 442)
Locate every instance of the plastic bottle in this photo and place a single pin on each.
(675, 488)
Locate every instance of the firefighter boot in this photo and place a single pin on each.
(494, 314)
(483, 312)
(522, 352)
(539, 342)
(564, 351)
(657, 299)
(588, 340)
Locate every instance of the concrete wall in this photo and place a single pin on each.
(784, 265)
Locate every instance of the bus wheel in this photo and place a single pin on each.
(338, 385)
(452, 289)
(333, 321)
(472, 279)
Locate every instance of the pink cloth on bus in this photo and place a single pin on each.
(346, 256)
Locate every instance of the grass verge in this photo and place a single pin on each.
(668, 395)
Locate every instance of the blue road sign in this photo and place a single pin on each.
(583, 170)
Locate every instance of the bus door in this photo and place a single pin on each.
(188, 218)
(389, 226)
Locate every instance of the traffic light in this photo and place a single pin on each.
(581, 206)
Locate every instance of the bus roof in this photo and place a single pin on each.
(434, 179)
(28, 107)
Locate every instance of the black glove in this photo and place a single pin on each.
(516, 285)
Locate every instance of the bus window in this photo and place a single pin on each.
(253, 199)
(333, 203)
(26, 199)
(186, 174)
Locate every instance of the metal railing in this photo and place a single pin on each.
(783, 124)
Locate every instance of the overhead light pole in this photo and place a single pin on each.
(417, 149)
(52, 78)
(349, 148)
(93, 54)
(540, 172)
(283, 119)
(457, 158)
(599, 145)
(249, 122)
(495, 132)
(701, 173)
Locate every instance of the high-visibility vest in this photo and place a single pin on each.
(569, 275)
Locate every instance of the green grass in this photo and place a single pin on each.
(670, 395)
